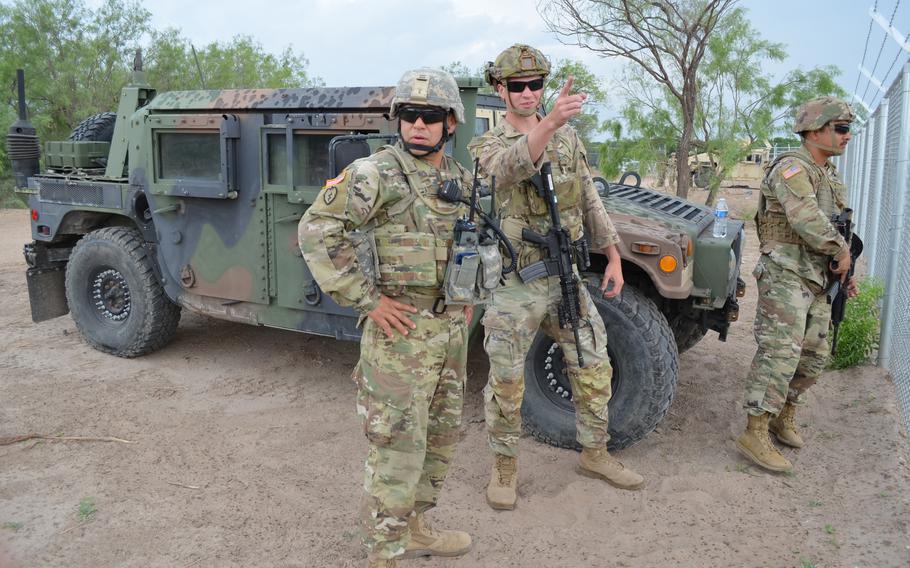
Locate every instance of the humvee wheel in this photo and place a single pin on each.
(645, 370)
(687, 331)
(114, 295)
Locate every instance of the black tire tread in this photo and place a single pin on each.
(161, 325)
(96, 128)
(645, 315)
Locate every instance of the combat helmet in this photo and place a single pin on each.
(520, 60)
(429, 87)
(818, 112)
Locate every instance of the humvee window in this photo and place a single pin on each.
(189, 155)
(481, 125)
(310, 159)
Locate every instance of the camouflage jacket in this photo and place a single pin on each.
(373, 195)
(797, 200)
(503, 152)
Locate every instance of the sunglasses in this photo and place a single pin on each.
(842, 128)
(519, 86)
(426, 114)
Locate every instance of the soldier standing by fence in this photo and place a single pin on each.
(800, 193)
(411, 373)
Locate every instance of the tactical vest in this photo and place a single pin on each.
(527, 209)
(773, 225)
(413, 235)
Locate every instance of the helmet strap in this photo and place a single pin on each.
(834, 149)
(411, 148)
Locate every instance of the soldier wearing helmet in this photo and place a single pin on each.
(377, 239)
(513, 152)
(799, 195)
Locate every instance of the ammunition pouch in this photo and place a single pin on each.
(472, 273)
(410, 259)
(775, 227)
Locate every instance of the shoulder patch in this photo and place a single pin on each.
(791, 171)
(329, 193)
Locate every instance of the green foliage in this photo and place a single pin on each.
(858, 336)
(13, 526)
(87, 509)
(585, 123)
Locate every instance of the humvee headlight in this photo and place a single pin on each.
(668, 263)
(642, 247)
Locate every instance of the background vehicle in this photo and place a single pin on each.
(191, 200)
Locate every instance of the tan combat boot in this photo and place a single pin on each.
(426, 541)
(755, 444)
(381, 563)
(502, 492)
(784, 427)
(598, 463)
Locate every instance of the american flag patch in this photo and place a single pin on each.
(791, 171)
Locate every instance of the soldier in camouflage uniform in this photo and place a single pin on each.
(411, 373)
(799, 194)
(513, 152)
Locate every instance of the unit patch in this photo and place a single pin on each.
(329, 194)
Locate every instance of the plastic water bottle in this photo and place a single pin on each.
(720, 218)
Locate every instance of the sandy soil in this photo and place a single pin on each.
(248, 453)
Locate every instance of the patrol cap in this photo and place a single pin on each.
(519, 60)
(428, 87)
(818, 112)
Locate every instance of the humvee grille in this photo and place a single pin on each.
(669, 204)
(56, 191)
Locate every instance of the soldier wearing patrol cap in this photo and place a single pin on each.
(513, 152)
(377, 238)
(799, 194)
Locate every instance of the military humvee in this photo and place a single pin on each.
(191, 200)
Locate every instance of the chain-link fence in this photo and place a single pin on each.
(875, 168)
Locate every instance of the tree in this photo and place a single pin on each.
(738, 108)
(666, 39)
(238, 64)
(587, 124)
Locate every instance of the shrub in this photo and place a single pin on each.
(859, 332)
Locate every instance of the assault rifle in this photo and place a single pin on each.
(561, 254)
(836, 293)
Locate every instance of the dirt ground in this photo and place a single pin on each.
(247, 453)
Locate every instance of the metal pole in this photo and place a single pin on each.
(875, 219)
(889, 312)
(865, 182)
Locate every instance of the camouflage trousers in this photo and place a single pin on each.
(512, 320)
(791, 329)
(410, 394)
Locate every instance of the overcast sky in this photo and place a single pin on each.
(359, 42)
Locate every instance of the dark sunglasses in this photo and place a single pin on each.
(519, 86)
(842, 128)
(426, 114)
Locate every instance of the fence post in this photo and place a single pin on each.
(872, 234)
(889, 313)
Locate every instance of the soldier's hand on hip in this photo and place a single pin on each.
(391, 314)
(567, 105)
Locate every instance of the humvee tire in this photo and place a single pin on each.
(687, 331)
(645, 371)
(114, 294)
(96, 128)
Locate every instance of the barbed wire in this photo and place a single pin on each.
(880, 49)
(865, 49)
(893, 62)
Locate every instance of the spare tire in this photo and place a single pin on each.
(96, 128)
